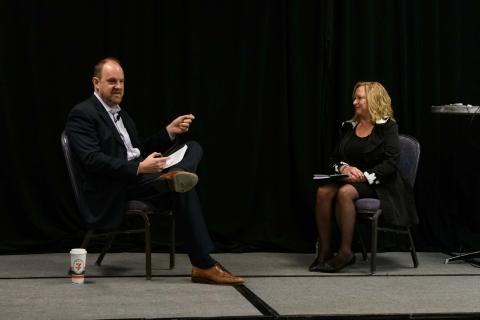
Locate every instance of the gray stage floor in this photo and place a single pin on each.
(37, 287)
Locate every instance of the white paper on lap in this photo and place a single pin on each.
(176, 157)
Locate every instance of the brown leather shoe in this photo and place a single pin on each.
(180, 181)
(215, 275)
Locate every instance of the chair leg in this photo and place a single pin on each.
(106, 247)
(362, 244)
(148, 245)
(86, 239)
(413, 251)
(148, 249)
(374, 245)
(172, 242)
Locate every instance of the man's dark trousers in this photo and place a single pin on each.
(187, 207)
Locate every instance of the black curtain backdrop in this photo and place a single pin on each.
(269, 83)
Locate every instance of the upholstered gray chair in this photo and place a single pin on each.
(135, 207)
(370, 209)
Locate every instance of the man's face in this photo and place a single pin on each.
(110, 85)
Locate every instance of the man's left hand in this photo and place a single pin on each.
(180, 125)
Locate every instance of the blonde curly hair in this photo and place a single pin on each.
(378, 101)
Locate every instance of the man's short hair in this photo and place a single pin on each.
(97, 70)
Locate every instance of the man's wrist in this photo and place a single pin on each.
(171, 135)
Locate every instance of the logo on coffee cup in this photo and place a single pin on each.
(78, 266)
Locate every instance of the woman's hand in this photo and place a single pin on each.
(354, 174)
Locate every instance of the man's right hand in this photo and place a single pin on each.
(153, 163)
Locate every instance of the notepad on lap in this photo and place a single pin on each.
(176, 157)
(338, 176)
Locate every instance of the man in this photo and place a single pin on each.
(116, 166)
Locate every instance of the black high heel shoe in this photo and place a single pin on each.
(318, 263)
(332, 265)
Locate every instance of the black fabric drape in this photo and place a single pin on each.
(269, 83)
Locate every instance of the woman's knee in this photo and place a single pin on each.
(347, 192)
(326, 193)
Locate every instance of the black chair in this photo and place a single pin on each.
(370, 209)
(135, 207)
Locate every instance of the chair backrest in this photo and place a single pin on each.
(72, 167)
(409, 157)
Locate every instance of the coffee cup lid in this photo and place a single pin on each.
(78, 251)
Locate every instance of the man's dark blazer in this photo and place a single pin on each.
(104, 173)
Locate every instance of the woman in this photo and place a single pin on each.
(367, 152)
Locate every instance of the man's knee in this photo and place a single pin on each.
(195, 148)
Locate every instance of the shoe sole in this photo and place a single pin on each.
(206, 281)
(183, 182)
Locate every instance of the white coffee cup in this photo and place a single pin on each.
(78, 260)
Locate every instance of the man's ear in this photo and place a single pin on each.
(95, 82)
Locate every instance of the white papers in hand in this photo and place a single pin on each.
(176, 157)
